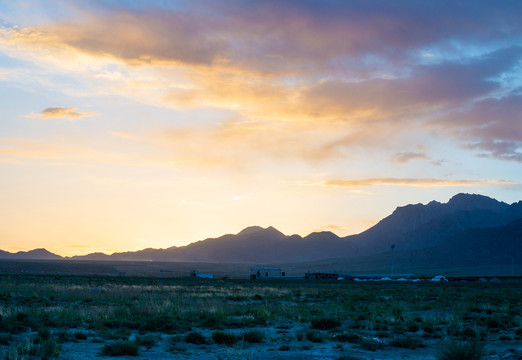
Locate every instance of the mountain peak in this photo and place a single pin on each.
(474, 201)
(250, 230)
(272, 231)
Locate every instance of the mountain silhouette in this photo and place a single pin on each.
(469, 227)
(36, 254)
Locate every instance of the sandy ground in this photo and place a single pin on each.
(277, 344)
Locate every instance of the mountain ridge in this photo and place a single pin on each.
(411, 228)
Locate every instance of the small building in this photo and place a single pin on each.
(166, 273)
(195, 273)
(321, 276)
(266, 273)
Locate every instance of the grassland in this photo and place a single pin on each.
(96, 317)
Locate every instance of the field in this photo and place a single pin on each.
(102, 317)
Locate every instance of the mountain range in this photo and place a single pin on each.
(470, 229)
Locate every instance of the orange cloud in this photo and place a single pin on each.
(60, 112)
(404, 157)
(405, 182)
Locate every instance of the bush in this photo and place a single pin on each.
(254, 336)
(461, 351)
(80, 335)
(195, 338)
(370, 344)
(120, 348)
(49, 349)
(314, 337)
(406, 343)
(28, 349)
(146, 340)
(347, 337)
(284, 347)
(43, 334)
(325, 323)
(224, 338)
(5, 339)
(63, 336)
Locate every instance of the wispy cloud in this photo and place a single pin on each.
(421, 182)
(404, 157)
(491, 126)
(69, 113)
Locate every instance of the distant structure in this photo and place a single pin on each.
(119, 273)
(195, 273)
(166, 273)
(266, 273)
(321, 276)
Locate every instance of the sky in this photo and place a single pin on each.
(127, 125)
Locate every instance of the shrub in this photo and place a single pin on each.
(371, 344)
(195, 338)
(492, 323)
(314, 336)
(468, 333)
(175, 345)
(49, 349)
(43, 334)
(80, 335)
(412, 327)
(120, 348)
(5, 339)
(406, 343)
(254, 336)
(284, 347)
(347, 337)
(257, 297)
(224, 338)
(461, 351)
(325, 323)
(63, 336)
(28, 349)
(146, 340)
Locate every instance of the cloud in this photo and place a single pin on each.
(352, 72)
(405, 182)
(60, 112)
(332, 227)
(404, 157)
(491, 126)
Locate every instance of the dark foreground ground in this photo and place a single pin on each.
(101, 317)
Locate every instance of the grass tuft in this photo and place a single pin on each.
(406, 342)
(120, 348)
(224, 338)
(196, 338)
(325, 323)
(254, 336)
(314, 337)
(471, 350)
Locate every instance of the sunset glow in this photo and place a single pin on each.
(148, 124)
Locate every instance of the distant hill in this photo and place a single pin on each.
(36, 254)
(474, 229)
(415, 227)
